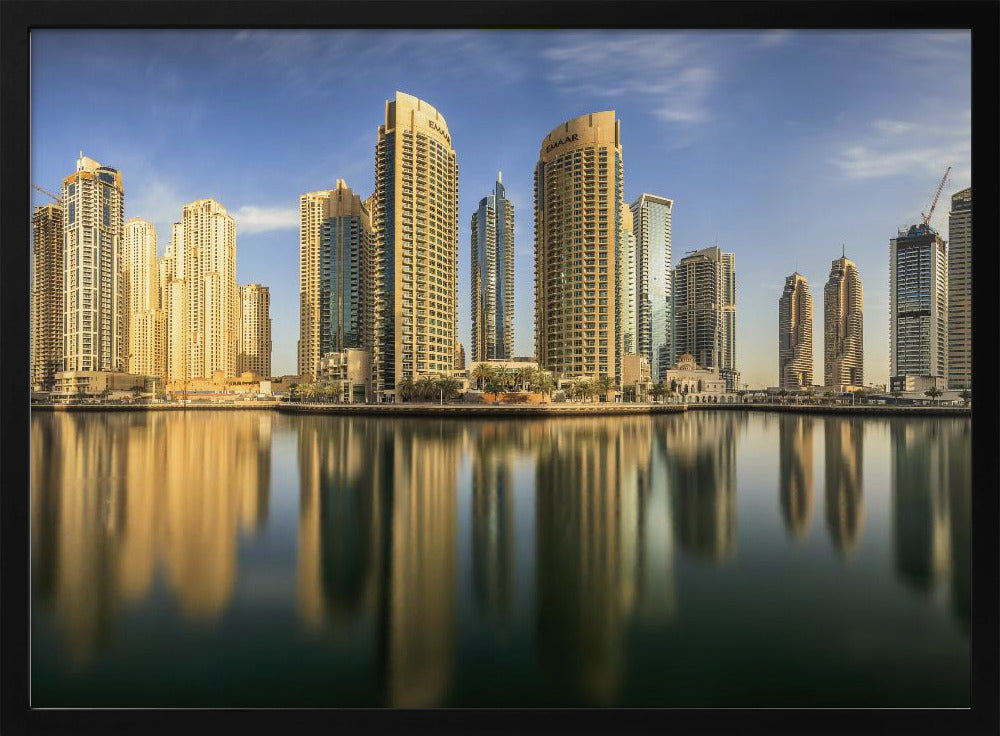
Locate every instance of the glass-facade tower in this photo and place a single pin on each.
(651, 215)
(493, 277)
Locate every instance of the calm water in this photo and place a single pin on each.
(713, 559)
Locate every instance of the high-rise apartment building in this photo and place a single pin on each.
(255, 330)
(843, 325)
(795, 330)
(578, 205)
(94, 310)
(960, 290)
(211, 293)
(652, 215)
(704, 302)
(173, 302)
(628, 286)
(335, 240)
(145, 325)
(415, 264)
(918, 304)
(493, 277)
(47, 295)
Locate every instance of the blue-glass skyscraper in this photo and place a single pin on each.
(493, 277)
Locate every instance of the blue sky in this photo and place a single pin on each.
(778, 145)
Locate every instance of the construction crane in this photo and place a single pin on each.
(58, 200)
(937, 194)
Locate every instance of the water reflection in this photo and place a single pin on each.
(845, 511)
(931, 482)
(795, 462)
(125, 505)
(124, 495)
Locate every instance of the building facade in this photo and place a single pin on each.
(960, 291)
(578, 205)
(415, 260)
(918, 303)
(704, 302)
(47, 296)
(652, 215)
(843, 325)
(93, 298)
(628, 286)
(335, 240)
(493, 276)
(212, 296)
(255, 330)
(145, 324)
(795, 330)
(173, 301)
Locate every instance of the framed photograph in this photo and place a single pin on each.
(538, 366)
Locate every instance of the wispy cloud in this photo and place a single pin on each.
(770, 39)
(252, 219)
(156, 200)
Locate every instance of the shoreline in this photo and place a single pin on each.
(515, 410)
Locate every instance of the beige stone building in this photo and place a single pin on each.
(795, 328)
(255, 330)
(335, 272)
(47, 295)
(688, 379)
(93, 298)
(352, 368)
(173, 302)
(90, 384)
(637, 377)
(145, 324)
(843, 325)
(578, 202)
(415, 266)
(960, 290)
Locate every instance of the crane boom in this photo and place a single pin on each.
(58, 200)
(937, 194)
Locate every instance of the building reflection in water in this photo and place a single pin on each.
(795, 461)
(931, 489)
(116, 496)
(592, 478)
(377, 534)
(702, 472)
(845, 508)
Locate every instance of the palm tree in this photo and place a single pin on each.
(505, 377)
(424, 389)
(405, 389)
(495, 386)
(658, 390)
(934, 392)
(105, 393)
(293, 390)
(136, 392)
(966, 396)
(523, 377)
(603, 386)
(542, 383)
(482, 373)
(333, 390)
(577, 389)
(447, 387)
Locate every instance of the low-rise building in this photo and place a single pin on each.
(352, 369)
(687, 379)
(110, 384)
(636, 377)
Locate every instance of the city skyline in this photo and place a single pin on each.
(176, 142)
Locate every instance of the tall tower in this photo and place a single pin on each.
(493, 277)
(960, 290)
(209, 261)
(255, 330)
(173, 301)
(578, 205)
(628, 286)
(47, 295)
(652, 215)
(918, 303)
(93, 298)
(144, 323)
(335, 241)
(843, 325)
(795, 329)
(415, 219)
(704, 302)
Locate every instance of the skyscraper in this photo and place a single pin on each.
(918, 304)
(843, 325)
(94, 203)
(209, 262)
(652, 215)
(415, 218)
(144, 320)
(334, 256)
(795, 329)
(578, 205)
(628, 286)
(255, 330)
(704, 301)
(173, 301)
(960, 290)
(493, 277)
(47, 295)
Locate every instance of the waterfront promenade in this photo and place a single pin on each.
(517, 410)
